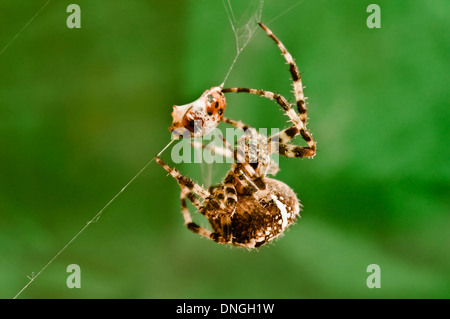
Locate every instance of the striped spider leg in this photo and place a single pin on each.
(207, 202)
(282, 139)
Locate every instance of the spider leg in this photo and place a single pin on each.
(229, 182)
(279, 142)
(238, 124)
(188, 189)
(289, 133)
(194, 227)
(184, 181)
(187, 215)
(290, 150)
(293, 69)
(213, 149)
(237, 176)
(237, 155)
(230, 194)
(281, 100)
(189, 184)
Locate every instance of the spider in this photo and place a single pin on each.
(247, 209)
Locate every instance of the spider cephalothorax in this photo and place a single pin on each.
(247, 209)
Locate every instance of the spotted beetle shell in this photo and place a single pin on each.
(199, 117)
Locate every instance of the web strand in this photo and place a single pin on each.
(24, 27)
(243, 27)
(285, 11)
(94, 219)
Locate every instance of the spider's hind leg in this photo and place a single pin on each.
(194, 227)
(209, 208)
(278, 98)
(213, 149)
(188, 184)
(183, 181)
(221, 222)
(295, 73)
(187, 215)
(238, 124)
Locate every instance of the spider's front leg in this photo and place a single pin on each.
(187, 215)
(290, 150)
(279, 143)
(298, 120)
(286, 135)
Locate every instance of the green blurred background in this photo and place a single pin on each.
(83, 110)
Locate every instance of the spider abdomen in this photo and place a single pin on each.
(262, 216)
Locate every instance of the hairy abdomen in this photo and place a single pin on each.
(255, 223)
